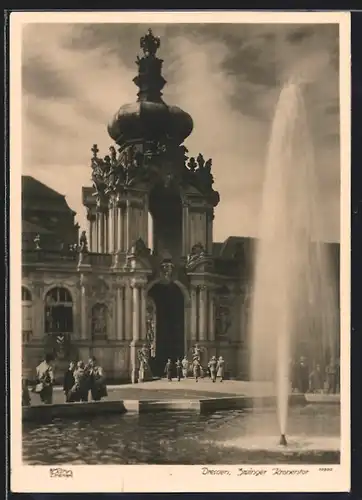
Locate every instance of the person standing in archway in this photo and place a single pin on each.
(220, 368)
(178, 370)
(196, 368)
(168, 370)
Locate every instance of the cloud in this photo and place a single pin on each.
(227, 77)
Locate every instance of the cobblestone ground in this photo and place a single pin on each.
(185, 389)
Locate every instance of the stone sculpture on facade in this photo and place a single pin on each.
(197, 253)
(167, 268)
(198, 173)
(144, 367)
(83, 242)
(37, 242)
(223, 317)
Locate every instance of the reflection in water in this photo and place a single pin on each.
(182, 438)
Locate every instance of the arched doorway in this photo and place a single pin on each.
(169, 325)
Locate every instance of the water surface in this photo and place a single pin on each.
(185, 438)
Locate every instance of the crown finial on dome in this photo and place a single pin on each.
(149, 79)
(150, 43)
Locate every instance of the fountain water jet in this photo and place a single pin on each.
(293, 291)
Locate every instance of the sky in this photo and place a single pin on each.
(227, 76)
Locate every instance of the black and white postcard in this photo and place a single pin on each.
(180, 251)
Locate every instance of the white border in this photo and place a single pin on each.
(152, 478)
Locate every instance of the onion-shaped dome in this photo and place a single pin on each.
(150, 118)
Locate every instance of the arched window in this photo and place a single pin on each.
(58, 311)
(26, 306)
(99, 321)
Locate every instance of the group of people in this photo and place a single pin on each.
(304, 379)
(80, 380)
(215, 368)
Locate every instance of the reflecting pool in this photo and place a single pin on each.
(186, 438)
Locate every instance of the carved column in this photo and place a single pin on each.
(203, 314)
(111, 230)
(136, 312)
(193, 314)
(98, 231)
(128, 225)
(83, 310)
(145, 221)
(211, 316)
(135, 331)
(101, 231)
(106, 231)
(119, 229)
(143, 326)
(120, 313)
(128, 312)
(209, 230)
(91, 229)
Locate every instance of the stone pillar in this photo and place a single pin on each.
(211, 316)
(106, 231)
(128, 312)
(110, 230)
(136, 312)
(135, 331)
(128, 225)
(143, 325)
(101, 231)
(193, 314)
(91, 229)
(119, 313)
(209, 222)
(145, 221)
(83, 311)
(98, 232)
(117, 229)
(203, 314)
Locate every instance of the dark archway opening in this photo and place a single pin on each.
(170, 336)
(165, 207)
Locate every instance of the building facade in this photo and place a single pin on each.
(114, 296)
